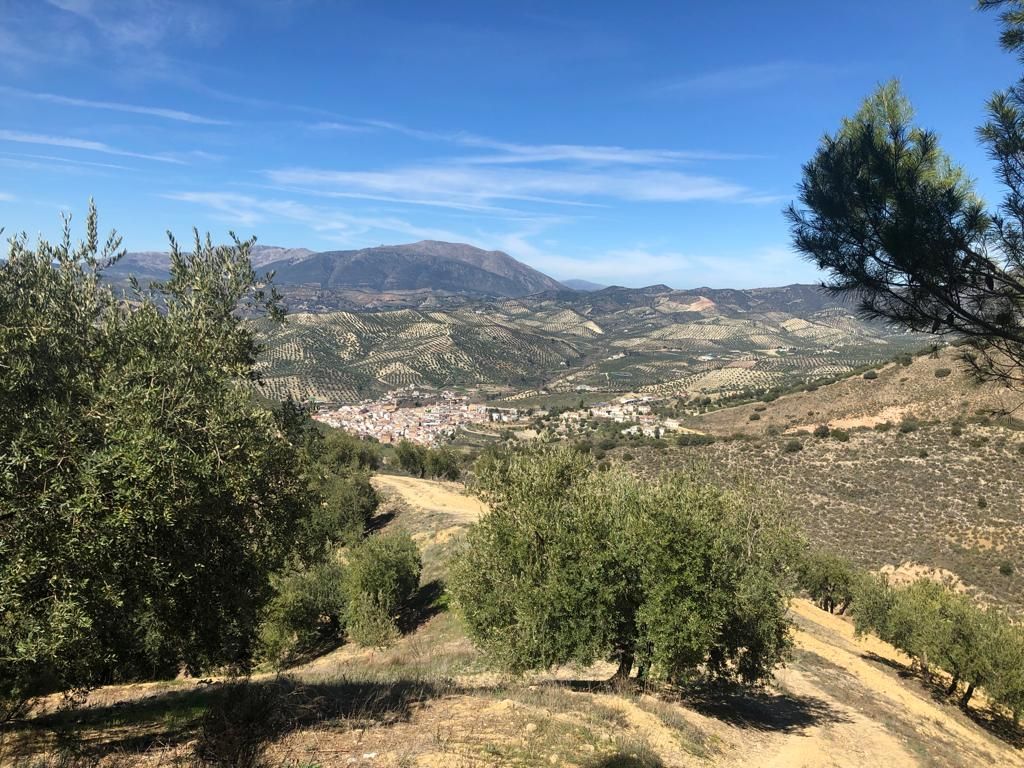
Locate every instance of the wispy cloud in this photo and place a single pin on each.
(7, 197)
(749, 77)
(339, 127)
(83, 144)
(146, 24)
(167, 114)
(459, 186)
(249, 211)
(512, 152)
(67, 161)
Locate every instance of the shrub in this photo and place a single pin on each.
(982, 502)
(909, 424)
(306, 612)
(922, 454)
(421, 461)
(822, 431)
(382, 576)
(442, 463)
(1006, 568)
(956, 429)
(760, 408)
(792, 446)
(694, 439)
(884, 426)
(627, 456)
(342, 451)
(347, 502)
(841, 435)
(941, 373)
(755, 417)
(570, 565)
(870, 375)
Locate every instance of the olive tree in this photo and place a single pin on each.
(145, 497)
(575, 565)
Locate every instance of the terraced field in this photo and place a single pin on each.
(344, 356)
(670, 343)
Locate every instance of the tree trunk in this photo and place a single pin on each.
(967, 695)
(642, 669)
(953, 685)
(625, 665)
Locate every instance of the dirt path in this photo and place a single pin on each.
(433, 496)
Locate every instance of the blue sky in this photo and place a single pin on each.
(627, 143)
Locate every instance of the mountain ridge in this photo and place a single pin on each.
(428, 265)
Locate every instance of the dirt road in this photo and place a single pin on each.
(433, 496)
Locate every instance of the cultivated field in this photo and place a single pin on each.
(660, 341)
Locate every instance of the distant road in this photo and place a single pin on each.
(433, 496)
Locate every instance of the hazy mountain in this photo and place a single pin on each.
(154, 265)
(582, 285)
(430, 264)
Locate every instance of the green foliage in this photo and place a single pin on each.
(342, 452)
(830, 580)
(822, 431)
(382, 577)
(755, 417)
(909, 424)
(870, 375)
(442, 463)
(941, 373)
(840, 435)
(940, 628)
(145, 497)
(897, 224)
(575, 566)
(694, 439)
(792, 446)
(346, 503)
(306, 612)
(420, 461)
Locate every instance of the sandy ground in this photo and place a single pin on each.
(433, 496)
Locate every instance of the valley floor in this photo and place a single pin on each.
(842, 701)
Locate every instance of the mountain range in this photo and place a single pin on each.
(427, 266)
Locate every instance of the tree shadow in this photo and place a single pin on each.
(265, 709)
(900, 669)
(626, 760)
(379, 521)
(735, 704)
(429, 601)
(760, 710)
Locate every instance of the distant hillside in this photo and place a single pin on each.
(426, 267)
(920, 465)
(582, 285)
(652, 340)
(154, 265)
(433, 265)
